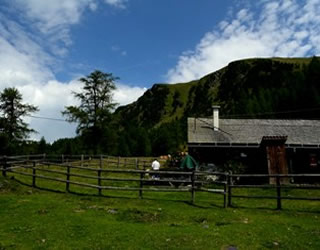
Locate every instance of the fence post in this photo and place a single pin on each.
(81, 161)
(229, 189)
(144, 165)
(62, 158)
(101, 161)
(193, 187)
(68, 179)
(278, 192)
(225, 190)
(107, 162)
(141, 184)
(137, 163)
(4, 166)
(99, 176)
(34, 174)
(118, 161)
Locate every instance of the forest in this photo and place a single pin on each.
(155, 124)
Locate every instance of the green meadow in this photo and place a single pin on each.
(48, 218)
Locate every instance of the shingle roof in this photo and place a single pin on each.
(251, 131)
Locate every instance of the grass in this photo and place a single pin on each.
(183, 90)
(39, 219)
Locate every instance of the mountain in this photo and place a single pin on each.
(246, 87)
(272, 88)
(251, 88)
(164, 103)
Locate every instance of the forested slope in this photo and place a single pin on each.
(252, 88)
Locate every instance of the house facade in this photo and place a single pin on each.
(262, 145)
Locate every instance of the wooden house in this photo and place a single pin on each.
(263, 145)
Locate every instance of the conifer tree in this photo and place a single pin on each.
(12, 112)
(93, 114)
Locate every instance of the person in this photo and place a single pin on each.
(155, 166)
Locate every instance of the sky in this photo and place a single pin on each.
(47, 45)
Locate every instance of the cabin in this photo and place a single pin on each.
(260, 145)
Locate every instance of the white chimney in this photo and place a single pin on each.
(215, 117)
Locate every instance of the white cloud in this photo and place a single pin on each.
(125, 94)
(287, 28)
(51, 98)
(50, 14)
(117, 3)
(22, 60)
(28, 69)
(54, 96)
(53, 19)
(26, 64)
(119, 50)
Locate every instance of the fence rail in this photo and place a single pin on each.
(279, 186)
(224, 182)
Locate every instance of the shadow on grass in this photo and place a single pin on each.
(82, 194)
(36, 187)
(202, 206)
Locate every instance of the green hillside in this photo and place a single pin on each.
(160, 104)
(165, 103)
(252, 88)
(248, 87)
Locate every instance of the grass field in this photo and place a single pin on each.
(39, 219)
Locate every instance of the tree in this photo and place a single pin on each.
(12, 111)
(94, 111)
(42, 146)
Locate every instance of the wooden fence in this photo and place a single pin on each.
(178, 181)
(278, 187)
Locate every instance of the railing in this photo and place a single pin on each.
(188, 181)
(279, 186)
(125, 162)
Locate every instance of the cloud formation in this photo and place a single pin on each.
(117, 3)
(52, 20)
(119, 50)
(22, 59)
(125, 94)
(54, 96)
(34, 43)
(282, 28)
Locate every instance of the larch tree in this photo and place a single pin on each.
(93, 114)
(12, 112)
(12, 127)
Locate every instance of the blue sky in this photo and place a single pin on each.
(46, 45)
(140, 41)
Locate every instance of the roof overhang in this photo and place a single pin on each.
(274, 140)
(224, 145)
(248, 145)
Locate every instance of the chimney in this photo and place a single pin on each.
(215, 117)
